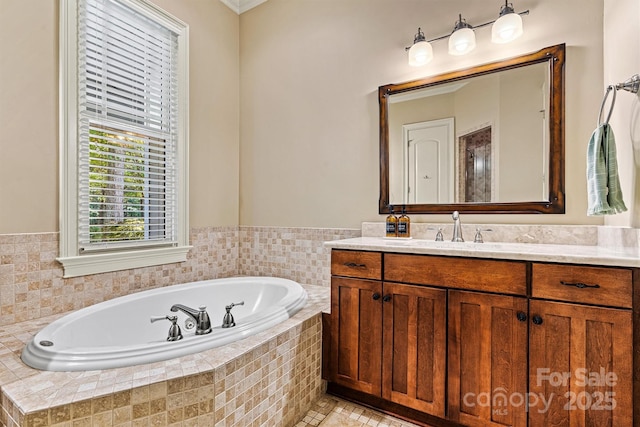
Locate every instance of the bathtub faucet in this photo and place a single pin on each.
(200, 317)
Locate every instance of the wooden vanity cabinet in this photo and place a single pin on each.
(387, 340)
(478, 342)
(581, 356)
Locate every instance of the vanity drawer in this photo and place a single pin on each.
(509, 277)
(366, 265)
(589, 285)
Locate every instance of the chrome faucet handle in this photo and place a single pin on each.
(233, 304)
(478, 238)
(175, 333)
(439, 236)
(227, 320)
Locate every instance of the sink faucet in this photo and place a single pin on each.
(200, 317)
(457, 229)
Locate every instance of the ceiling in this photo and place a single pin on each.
(239, 6)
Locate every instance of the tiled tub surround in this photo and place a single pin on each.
(32, 286)
(33, 293)
(267, 379)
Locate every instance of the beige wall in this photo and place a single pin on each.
(29, 113)
(28, 116)
(310, 70)
(306, 113)
(621, 61)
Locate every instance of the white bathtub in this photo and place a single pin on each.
(118, 332)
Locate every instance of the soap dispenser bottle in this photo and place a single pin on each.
(404, 224)
(392, 224)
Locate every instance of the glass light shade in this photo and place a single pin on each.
(507, 28)
(462, 41)
(420, 54)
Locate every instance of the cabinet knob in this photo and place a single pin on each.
(522, 316)
(386, 298)
(376, 296)
(537, 320)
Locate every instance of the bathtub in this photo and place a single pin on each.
(119, 332)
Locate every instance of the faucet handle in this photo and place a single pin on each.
(169, 318)
(478, 238)
(233, 304)
(439, 236)
(227, 320)
(175, 333)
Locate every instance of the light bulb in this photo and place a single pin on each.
(507, 28)
(420, 54)
(462, 41)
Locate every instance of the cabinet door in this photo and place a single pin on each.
(580, 365)
(487, 359)
(356, 334)
(414, 355)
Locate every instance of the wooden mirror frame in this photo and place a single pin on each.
(555, 57)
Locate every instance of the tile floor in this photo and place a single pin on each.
(331, 411)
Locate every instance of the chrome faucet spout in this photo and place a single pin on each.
(200, 317)
(457, 228)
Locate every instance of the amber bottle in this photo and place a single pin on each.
(404, 224)
(392, 224)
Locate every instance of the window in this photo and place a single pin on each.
(124, 135)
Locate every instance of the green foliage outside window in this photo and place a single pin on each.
(117, 187)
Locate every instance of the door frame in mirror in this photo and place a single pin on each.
(555, 57)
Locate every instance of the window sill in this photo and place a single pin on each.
(103, 263)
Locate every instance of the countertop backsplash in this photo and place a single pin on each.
(582, 235)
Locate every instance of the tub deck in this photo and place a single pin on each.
(271, 377)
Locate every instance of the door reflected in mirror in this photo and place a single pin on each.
(487, 139)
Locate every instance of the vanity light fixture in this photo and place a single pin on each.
(462, 40)
(421, 51)
(508, 26)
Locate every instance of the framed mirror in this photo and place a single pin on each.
(488, 139)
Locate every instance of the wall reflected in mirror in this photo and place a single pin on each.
(483, 139)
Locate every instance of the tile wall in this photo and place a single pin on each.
(31, 283)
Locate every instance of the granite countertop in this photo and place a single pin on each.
(572, 254)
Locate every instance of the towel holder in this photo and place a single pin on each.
(632, 85)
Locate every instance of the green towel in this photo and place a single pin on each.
(603, 185)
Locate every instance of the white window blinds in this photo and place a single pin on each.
(127, 130)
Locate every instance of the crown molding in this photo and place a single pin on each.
(240, 6)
